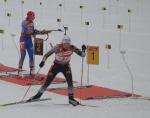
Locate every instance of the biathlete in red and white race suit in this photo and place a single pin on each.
(26, 41)
(61, 64)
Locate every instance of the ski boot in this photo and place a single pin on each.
(72, 100)
(20, 74)
(35, 98)
(32, 71)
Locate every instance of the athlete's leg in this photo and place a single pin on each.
(22, 54)
(30, 51)
(68, 75)
(51, 74)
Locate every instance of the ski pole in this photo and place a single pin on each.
(83, 51)
(30, 84)
(81, 79)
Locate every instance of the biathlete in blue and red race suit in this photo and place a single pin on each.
(26, 41)
(61, 64)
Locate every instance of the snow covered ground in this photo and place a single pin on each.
(133, 38)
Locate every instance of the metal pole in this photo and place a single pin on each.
(129, 22)
(81, 20)
(88, 74)
(41, 5)
(57, 7)
(103, 20)
(2, 32)
(64, 5)
(120, 27)
(2, 45)
(103, 17)
(87, 35)
(22, 9)
(109, 7)
(60, 5)
(8, 20)
(120, 39)
(5, 1)
(81, 79)
(129, 13)
(117, 6)
(108, 59)
(130, 72)
(81, 17)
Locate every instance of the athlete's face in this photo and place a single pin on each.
(66, 45)
(32, 17)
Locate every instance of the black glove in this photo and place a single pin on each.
(83, 48)
(41, 64)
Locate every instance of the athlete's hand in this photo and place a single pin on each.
(22, 45)
(83, 48)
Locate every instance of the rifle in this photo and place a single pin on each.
(42, 32)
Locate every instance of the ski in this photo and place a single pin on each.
(24, 101)
(86, 105)
(82, 105)
(141, 98)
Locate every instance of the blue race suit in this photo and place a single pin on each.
(26, 43)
